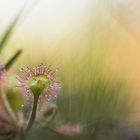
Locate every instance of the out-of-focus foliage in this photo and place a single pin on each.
(92, 69)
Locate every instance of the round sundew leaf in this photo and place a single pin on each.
(39, 81)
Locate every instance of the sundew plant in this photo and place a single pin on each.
(66, 92)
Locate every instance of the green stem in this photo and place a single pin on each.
(33, 115)
(8, 107)
(22, 135)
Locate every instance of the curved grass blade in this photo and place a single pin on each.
(8, 32)
(13, 59)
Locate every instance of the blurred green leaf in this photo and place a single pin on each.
(13, 59)
(8, 32)
(15, 99)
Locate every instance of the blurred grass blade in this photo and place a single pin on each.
(13, 59)
(8, 32)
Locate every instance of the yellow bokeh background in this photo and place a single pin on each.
(74, 32)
